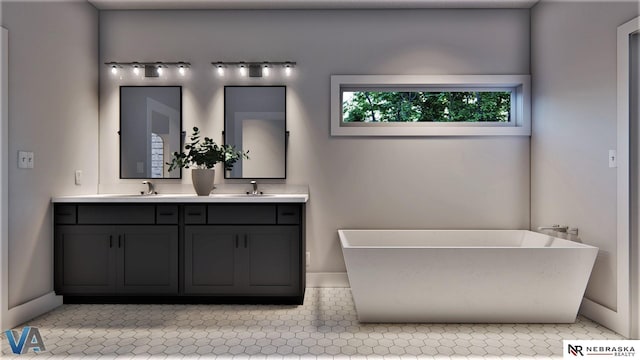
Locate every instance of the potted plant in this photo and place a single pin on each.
(231, 155)
(201, 155)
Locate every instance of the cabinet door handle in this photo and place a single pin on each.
(236, 241)
(245, 241)
(110, 241)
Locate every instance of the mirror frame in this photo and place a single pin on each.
(286, 132)
(181, 132)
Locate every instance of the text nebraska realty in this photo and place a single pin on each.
(615, 350)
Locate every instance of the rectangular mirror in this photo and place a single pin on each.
(255, 120)
(150, 131)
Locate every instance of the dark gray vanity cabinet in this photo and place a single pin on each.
(186, 252)
(211, 260)
(238, 249)
(85, 261)
(242, 260)
(92, 257)
(147, 260)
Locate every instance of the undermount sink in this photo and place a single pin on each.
(243, 195)
(142, 195)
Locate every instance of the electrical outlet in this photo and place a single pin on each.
(308, 258)
(78, 177)
(25, 159)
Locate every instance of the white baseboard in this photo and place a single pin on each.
(31, 309)
(604, 316)
(327, 280)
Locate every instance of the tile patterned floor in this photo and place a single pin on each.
(324, 327)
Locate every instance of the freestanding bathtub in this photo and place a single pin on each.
(465, 276)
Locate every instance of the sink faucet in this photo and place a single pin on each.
(150, 188)
(254, 184)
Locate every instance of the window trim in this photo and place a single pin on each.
(521, 103)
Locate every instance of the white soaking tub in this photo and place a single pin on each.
(465, 276)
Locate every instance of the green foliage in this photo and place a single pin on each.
(205, 154)
(231, 155)
(396, 106)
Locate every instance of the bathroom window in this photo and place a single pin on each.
(364, 105)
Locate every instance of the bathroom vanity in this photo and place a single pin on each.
(180, 248)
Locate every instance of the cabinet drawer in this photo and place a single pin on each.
(288, 214)
(167, 214)
(195, 214)
(116, 214)
(64, 214)
(241, 214)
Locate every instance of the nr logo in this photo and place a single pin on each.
(575, 350)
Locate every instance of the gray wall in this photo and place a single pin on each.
(574, 126)
(53, 111)
(440, 183)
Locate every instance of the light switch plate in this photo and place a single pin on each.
(78, 177)
(25, 159)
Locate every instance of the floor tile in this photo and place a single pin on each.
(325, 327)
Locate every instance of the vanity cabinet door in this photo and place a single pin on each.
(272, 258)
(85, 260)
(148, 259)
(211, 260)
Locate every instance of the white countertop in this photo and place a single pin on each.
(183, 198)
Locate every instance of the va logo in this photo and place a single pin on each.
(29, 339)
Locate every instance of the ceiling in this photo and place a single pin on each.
(305, 4)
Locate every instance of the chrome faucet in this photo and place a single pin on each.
(254, 184)
(150, 188)
(558, 228)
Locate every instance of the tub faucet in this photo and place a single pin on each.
(150, 188)
(558, 228)
(254, 185)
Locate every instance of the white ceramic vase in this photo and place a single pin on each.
(203, 181)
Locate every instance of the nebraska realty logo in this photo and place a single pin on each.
(29, 339)
(600, 348)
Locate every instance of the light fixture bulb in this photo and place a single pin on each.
(243, 70)
(114, 69)
(136, 70)
(160, 70)
(265, 71)
(181, 70)
(287, 70)
(220, 70)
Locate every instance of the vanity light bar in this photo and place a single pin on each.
(254, 69)
(151, 69)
